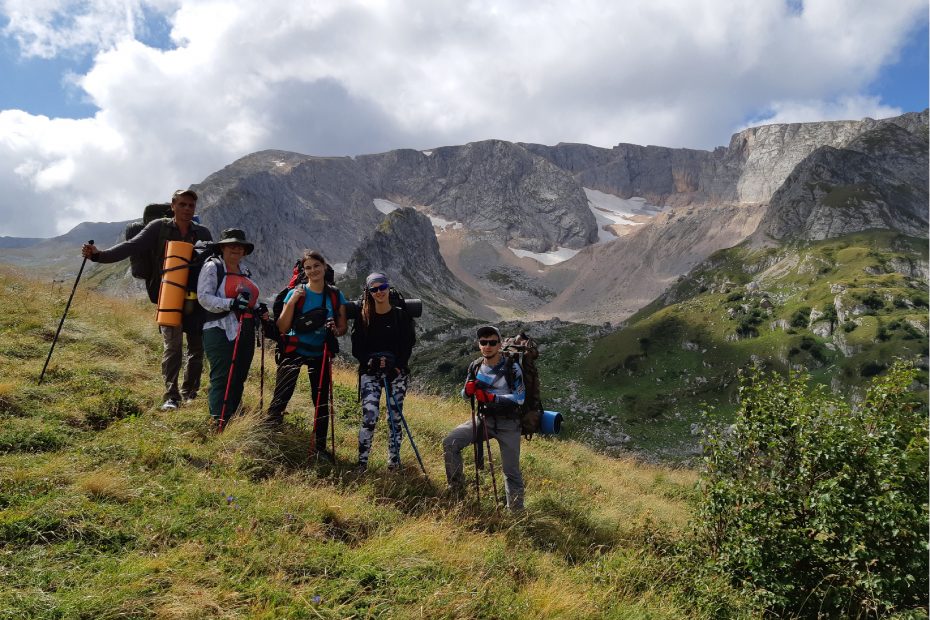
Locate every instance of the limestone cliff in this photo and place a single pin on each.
(496, 187)
(756, 162)
(878, 181)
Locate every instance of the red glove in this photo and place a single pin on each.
(484, 397)
(470, 387)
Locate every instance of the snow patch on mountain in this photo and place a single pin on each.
(610, 211)
(554, 257)
(385, 206)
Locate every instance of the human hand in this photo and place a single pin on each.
(88, 250)
(484, 397)
(470, 387)
(241, 303)
(299, 291)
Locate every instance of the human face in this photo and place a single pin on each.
(489, 345)
(183, 207)
(379, 291)
(315, 270)
(233, 253)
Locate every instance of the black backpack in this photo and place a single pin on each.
(143, 266)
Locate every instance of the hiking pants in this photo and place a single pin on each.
(220, 355)
(371, 387)
(507, 433)
(286, 381)
(171, 361)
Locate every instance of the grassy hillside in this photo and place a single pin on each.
(840, 309)
(111, 508)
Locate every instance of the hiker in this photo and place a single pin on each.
(230, 297)
(382, 340)
(495, 384)
(314, 313)
(152, 240)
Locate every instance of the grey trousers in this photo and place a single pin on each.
(507, 434)
(172, 358)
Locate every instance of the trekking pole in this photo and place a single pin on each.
(62, 321)
(403, 420)
(319, 392)
(491, 463)
(261, 377)
(474, 430)
(232, 368)
(331, 412)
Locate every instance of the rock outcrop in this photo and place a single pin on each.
(404, 248)
(749, 170)
(879, 180)
(495, 187)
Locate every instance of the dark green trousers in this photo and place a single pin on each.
(219, 352)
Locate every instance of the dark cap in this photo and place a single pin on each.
(488, 330)
(232, 236)
(184, 192)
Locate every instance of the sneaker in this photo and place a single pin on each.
(169, 405)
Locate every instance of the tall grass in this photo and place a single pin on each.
(111, 508)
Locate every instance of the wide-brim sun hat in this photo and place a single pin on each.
(232, 236)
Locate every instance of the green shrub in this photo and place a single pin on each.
(816, 509)
(801, 317)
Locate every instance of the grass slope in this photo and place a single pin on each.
(841, 309)
(110, 508)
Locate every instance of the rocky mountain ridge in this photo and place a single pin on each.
(878, 180)
(489, 200)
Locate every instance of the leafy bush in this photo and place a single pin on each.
(873, 301)
(817, 509)
(801, 317)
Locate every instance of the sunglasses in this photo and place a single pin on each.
(489, 343)
(379, 288)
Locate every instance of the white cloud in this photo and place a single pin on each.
(337, 77)
(848, 108)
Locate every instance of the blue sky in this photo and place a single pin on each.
(109, 104)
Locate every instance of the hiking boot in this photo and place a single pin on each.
(322, 454)
(361, 468)
(455, 492)
(394, 466)
(189, 398)
(169, 405)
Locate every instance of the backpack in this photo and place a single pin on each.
(285, 344)
(521, 349)
(142, 266)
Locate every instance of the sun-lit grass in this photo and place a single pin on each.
(111, 508)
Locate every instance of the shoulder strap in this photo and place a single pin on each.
(473, 369)
(510, 373)
(220, 270)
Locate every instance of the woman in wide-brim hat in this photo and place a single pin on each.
(229, 296)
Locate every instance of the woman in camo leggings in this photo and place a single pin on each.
(382, 340)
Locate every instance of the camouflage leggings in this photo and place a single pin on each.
(371, 387)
